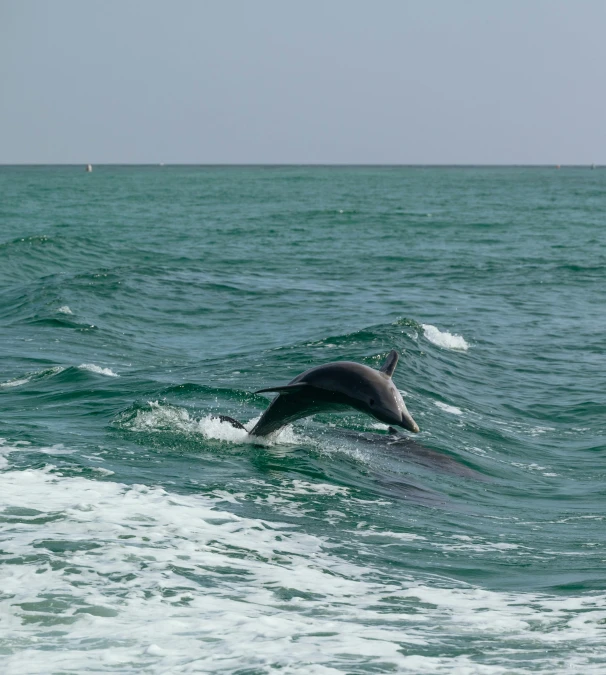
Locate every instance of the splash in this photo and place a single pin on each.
(165, 417)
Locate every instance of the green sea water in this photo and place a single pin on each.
(139, 534)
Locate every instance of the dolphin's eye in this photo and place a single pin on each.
(371, 402)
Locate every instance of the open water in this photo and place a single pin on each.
(139, 535)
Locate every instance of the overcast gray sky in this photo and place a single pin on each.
(313, 81)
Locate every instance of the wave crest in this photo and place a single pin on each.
(97, 369)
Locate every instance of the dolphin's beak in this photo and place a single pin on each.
(408, 423)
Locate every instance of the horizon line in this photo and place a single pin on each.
(307, 164)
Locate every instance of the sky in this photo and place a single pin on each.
(314, 81)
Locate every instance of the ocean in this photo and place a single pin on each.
(140, 534)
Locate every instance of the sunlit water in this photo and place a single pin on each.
(138, 534)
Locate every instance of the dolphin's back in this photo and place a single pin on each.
(345, 377)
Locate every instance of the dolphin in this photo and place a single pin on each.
(336, 387)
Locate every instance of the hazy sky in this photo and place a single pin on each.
(313, 81)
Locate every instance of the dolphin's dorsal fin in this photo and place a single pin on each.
(390, 363)
(284, 389)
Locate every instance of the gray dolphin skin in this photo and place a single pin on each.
(335, 387)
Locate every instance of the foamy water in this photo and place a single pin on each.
(138, 578)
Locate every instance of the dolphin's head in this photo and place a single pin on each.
(385, 402)
(387, 405)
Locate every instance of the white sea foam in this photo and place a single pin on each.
(4, 451)
(402, 536)
(64, 309)
(97, 369)
(444, 338)
(58, 449)
(282, 497)
(302, 487)
(138, 579)
(478, 545)
(8, 448)
(449, 408)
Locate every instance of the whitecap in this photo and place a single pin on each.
(97, 369)
(444, 338)
(37, 375)
(16, 382)
(453, 410)
(64, 309)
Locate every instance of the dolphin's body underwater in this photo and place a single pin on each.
(336, 387)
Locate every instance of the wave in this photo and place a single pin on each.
(46, 373)
(32, 377)
(28, 257)
(21, 242)
(371, 344)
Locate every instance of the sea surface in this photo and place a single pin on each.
(140, 534)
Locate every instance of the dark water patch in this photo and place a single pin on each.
(58, 546)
